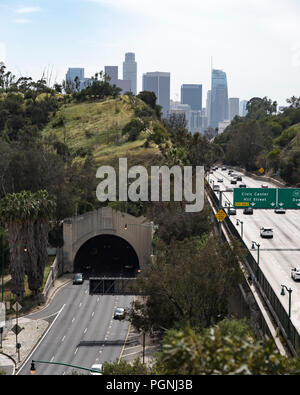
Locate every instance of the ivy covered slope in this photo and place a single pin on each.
(107, 129)
(265, 138)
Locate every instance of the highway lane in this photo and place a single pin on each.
(76, 336)
(277, 256)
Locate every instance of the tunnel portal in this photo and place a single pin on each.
(106, 256)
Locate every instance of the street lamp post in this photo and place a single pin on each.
(253, 249)
(239, 222)
(290, 297)
(33, 370)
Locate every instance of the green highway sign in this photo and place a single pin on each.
(289, 198)
(255, 198)
(262, 198)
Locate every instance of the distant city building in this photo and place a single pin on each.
(193, 118)
(113, 73)
(219, 98)
(181, 109)
(208, 107)
(159, 83)
(196, 122)
(233, 107)
(191, 94)
(75, 79)
(243, 108)
(130, 71)
(223, 125)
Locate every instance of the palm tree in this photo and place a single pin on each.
(26, 216)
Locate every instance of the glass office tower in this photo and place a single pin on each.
(219, 98)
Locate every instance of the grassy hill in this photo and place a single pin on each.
(97, 126)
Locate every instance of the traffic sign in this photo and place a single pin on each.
(221, 216)
(17, 306)
(262, 170)
(289, 198)
(16, 329)
(257, 198)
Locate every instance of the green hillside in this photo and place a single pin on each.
(97, 127)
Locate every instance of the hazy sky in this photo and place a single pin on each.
(256, 42)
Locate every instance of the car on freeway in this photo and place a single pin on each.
(97, 370)
(280, 211)
(220, 180)
(229, 189)
(119, 313)
(239, 178)
(231, 211)
(264, 186)
(234, 175)
(224, 168)
(266, 233)
(233, 182)
(242, 186)
(230, 172)
(248, 211)
(216, 188)
(78, 279)
(296, 274)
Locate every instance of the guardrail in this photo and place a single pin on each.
(276, 308)
(54, 272)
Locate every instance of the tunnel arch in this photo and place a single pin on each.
(106, 255)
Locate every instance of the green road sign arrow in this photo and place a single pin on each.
(289, 198)
(257, 198)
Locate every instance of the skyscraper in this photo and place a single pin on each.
(130, 71)
(113, 73)
(208, 107)
(191, 94)
(72, 76)
(219, 98)
(159, 83)
(243, 108)
(234, 107)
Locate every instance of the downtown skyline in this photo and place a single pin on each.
(260, 50)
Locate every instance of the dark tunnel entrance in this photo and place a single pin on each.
(106, 256)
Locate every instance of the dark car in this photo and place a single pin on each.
(280, 211)
(78, 279)
(231, 211)
(239, 178)
(248, 211)
(242, 186)
(233, 182)
(119, 313)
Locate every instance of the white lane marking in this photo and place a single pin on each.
(45, 334)
(76, 351)
(80, 304)
(73, 320)
(63, 339)
(52, 359)
(98, 300)
(85, 330)
(93, 314)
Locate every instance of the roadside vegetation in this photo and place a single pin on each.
(265, 139)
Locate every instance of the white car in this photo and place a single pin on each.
(296, 274)
(229, 189)
(220, 180)
(266, 233)
(97, 370)
(119, 313)
(216, 188)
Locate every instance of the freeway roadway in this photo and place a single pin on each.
(82, 333)
(278, 255)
